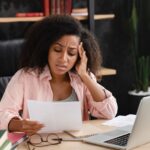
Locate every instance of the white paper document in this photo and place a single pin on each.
(56, 116)
(121, 121)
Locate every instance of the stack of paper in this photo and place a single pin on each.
(121, 121)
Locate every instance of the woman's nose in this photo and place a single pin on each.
(64, 56)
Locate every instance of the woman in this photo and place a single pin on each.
(58, 63)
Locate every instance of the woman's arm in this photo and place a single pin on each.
(97, 93)
(100, 101)
(12, 100)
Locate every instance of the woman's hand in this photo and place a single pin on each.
(28, 126)
(81, 66)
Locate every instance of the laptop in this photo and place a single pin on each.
(127, 137)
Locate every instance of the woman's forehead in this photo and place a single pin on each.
(68, 40)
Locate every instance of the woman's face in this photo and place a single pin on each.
(63, 54)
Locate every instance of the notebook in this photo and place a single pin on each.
(16, 138)
(137, 135)
(86, 131)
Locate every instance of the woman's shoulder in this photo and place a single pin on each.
(33, 73)
(23, 73)
(18, 74)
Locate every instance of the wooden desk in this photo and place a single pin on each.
(80, 145)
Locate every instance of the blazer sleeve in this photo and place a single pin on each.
(106, 109)
(11, 102)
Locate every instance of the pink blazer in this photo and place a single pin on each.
(30, 85)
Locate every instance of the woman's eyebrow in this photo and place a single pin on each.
(71, 47)
(59, 44)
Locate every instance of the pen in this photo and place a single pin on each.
(68, 139)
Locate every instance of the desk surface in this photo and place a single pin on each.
(67, 145)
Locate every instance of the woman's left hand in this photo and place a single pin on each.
(81, 66)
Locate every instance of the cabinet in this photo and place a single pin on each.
(91, 17)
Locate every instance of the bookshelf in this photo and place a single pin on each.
(106, 72)
(49, 5)
(33, 19)
(90, 16)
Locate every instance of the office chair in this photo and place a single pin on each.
(9, 61)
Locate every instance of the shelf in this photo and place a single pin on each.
(106, 72)
(19, 19)
(96, 17)
(33, 19)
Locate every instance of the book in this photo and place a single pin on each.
(6, 145)
(3, 136)
(79, 12)
(68, 6)
(61, 6)
(16, 138)
(86, 131)
(53, 7)
(46, 7)
(30, 14)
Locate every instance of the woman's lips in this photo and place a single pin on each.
(61, 67)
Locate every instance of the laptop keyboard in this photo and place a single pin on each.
(121, 140)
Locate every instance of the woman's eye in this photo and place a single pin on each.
(57, 49)
(72, 53)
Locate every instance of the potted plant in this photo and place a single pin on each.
(141, 65)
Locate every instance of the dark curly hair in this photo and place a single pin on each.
(42, 34)
(92, 49)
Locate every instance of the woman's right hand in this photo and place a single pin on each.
(27, 126)
(81, 66)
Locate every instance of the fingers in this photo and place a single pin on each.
(81, 66)
(31, 127)
(28, 126)
(81, 50)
